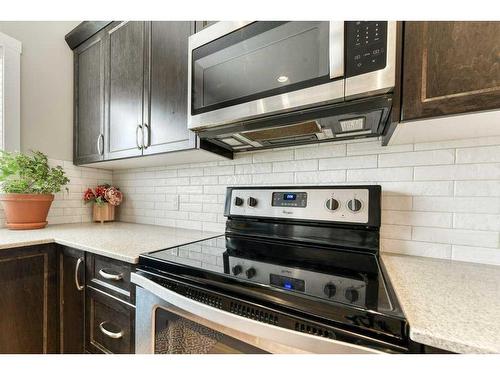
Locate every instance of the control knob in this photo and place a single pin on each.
(332, 204)
(354, 205)
(250, 272)
(237, 270)
(330, 289)
(351, 295)
(252, 202)
(238, 201)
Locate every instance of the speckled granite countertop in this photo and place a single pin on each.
(449, 304)
(122, 241)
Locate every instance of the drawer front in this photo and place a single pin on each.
(109, 324)
(111, 276)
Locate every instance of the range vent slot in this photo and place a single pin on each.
(203, 297)
(315, 330)
(250, 312)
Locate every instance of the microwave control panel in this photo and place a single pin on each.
(366, 46)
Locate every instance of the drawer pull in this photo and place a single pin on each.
(111, 275)
(113, 335)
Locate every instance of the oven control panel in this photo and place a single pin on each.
(319, 204)
(330, 287)
(366, 43)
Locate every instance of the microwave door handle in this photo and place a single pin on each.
(336, 49)
(285, 338)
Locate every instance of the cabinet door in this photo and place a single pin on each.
(450, 67)
(29, 300)
(125, 62)
(89, 101)
(72, 300)
(166, 128)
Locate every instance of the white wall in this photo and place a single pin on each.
(46, 86)
(440, 199)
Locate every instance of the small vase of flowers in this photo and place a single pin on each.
(105, 198)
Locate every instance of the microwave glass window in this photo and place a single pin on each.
(259, 60)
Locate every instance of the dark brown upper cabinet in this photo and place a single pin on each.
(165, 124)
(126, 53)
(450, 68)
(88, 138)
(131, 91)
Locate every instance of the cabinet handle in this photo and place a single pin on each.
(113, 335)
(110, 275)
(77, 268)
(147, 136)
(100, 144)
(139, 145)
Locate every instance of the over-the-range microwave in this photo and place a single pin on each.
(268, 84)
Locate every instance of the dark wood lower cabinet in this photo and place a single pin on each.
(48, 305)
(29, 300)
(72, 299)
(110, 324)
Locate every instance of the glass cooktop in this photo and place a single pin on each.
(297, 271)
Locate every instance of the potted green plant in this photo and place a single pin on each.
(28, 184)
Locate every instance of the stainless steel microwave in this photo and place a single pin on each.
(266, 84)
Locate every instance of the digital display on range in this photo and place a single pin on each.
(287, 282)
(289, 199)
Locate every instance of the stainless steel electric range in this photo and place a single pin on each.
(297, 271)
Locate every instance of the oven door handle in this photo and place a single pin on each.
(287, 340)
(336, 50)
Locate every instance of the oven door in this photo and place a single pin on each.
(241, 70)
(167, 322)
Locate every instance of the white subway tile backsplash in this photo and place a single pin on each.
(254, 168)
(469, 142)
(380, 174)
(456, 236)
(489, 154)
(416, 158)
(323, 177)
(457, 204)
(273, 178)
(414, 218)
(477, 222)
(477, 188)
(398, 232)
(295, 166)
(273, 155)
(400, 203)
(326, 150)
(368, 161)
(374, 148)
(458, 172)
(439, 199)
(441, 188)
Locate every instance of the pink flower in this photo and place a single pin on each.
(113, 196)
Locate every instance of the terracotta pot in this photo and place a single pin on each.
(104, 212)
(26, 211)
